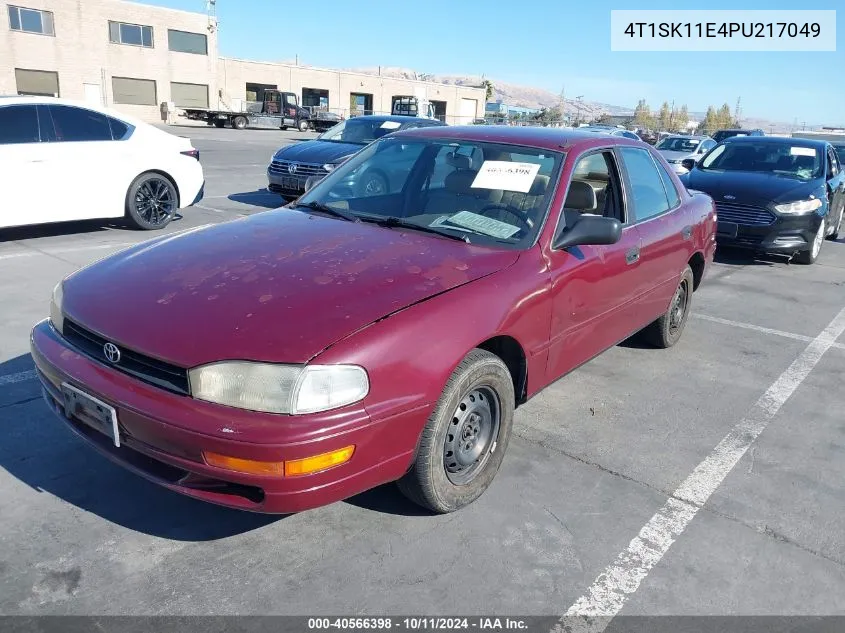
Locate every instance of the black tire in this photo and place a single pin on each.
(373, 183)
(809, 256)
(151, 201)
(667, 330)
(436, 481)
(837, 228)
(219, 123)
(239, 122)
(302, 126)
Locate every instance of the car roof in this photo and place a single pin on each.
(37, 100)
(555, 139)
(778, 140)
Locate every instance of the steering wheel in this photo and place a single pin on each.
(498, 206)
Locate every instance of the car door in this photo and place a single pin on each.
(836, 184)
(25, 182)
(593, 288)
(89, 170)
(664, 225)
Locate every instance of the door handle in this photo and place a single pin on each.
(686, 232)
(633, 255)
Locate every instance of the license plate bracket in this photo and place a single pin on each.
(292, 182)
(91, 411)
(727, 229)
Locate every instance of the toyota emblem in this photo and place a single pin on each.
(292, 168)
(111, 352)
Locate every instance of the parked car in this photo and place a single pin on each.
(676, 149)
(839, 148)
(609, 129)
(778, 195)
(62, 160)
(292, 165)
(721, 135)
(348, 340)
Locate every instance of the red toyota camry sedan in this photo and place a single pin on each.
(303, 355)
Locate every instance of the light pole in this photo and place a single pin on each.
(578, 109)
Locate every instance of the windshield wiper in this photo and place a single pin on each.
(400, 223)
(322, 208)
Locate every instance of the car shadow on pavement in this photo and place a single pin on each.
(78, 227)
(744, 257)
(40, 451)
(387, 499)
(259, 198)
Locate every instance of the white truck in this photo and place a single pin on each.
(410, 105)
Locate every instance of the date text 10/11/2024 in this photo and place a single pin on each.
(417, 623)
(723, 29)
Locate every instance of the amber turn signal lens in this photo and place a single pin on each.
(318, 462)
(249, 466)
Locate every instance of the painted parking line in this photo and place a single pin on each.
(21, 376)
(594, 611)
(207, 208)
(63, 251)
(759, 328)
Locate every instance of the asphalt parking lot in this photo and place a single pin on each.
(617, 493)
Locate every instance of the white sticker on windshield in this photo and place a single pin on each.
(485, 225)
(391, 125)
(802, 151)
(506, 175)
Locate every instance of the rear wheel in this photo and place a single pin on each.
(667, 330)
(812, 254)
(464, 442)
(239, 122)
(151, 201)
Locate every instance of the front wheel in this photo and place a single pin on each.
(810, 256)
(464, 442)
(667, 330)
(837, 228)
(303, 125)
(151, 201)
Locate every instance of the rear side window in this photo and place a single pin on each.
(646, 185)
(18, 124)
(671, 193)
(79, 125)
(118, 128)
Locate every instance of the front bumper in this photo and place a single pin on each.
(163, 436)
(784, 235)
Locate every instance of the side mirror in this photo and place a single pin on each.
(688, 163)
(590, 230)
(311, 181)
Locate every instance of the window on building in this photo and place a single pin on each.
(134, 91)
(189, 95)
(185, 42)
(40, 83)
(18, 124)
(74, 125)
(31, 20)
(131, 34)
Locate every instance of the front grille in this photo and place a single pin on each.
(145, 368)
(746, 214)
(303, 170)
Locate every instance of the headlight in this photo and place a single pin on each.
(329, 166)
(290, 389)
(56, 315)
(799, 207)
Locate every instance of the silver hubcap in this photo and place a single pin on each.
(817, 243)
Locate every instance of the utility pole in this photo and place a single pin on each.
(737, 112)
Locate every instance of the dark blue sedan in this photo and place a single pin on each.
(293, 164)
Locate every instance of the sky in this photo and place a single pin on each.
(547, 44)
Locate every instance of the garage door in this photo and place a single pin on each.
(467, 112)
(42, 83)
(189, 95)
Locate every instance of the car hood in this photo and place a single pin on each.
(750, 187)
(278, 286)
(674, 155)
(317, 151)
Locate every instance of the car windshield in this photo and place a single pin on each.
(359, 130)
(678, 144)
(483, 193)
(782, 159)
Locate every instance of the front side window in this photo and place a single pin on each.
(484, 193)
(18, 124)
(595, 189)
(131, 34)
(72, 125)
(185, 42)
(647, 190)
(31, 20)
(790, 160)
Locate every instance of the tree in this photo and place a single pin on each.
(664, 117)
(710, 123)
(724, 117)
(604, 119)
(642, 115)
(488, 89)
(681, 119)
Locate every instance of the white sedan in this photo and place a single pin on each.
(62, 160)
